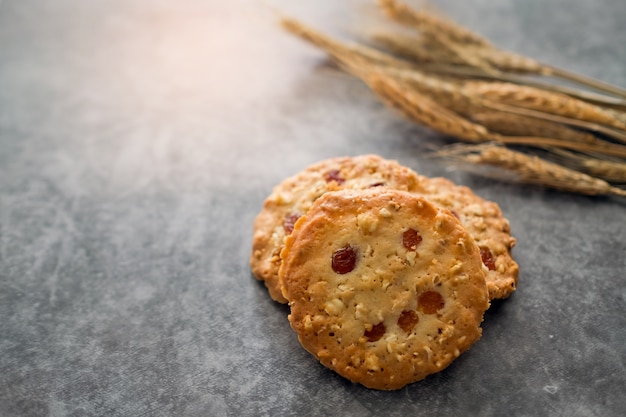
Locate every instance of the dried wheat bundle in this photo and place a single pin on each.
(456, 82)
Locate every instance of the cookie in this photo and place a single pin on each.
(294, 196)
(384, 288)
(484, 221)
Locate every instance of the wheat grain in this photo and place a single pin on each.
(544, 101)
(517, 125)
(611, 171)
(450, 40)
(618, 135)
(609, 149)
(485, 55)
(420, 19)
(422, 109)
(414, 93)
(530, 169)
(511, 62)
(340, 50)
(445, 93)
(412, 48)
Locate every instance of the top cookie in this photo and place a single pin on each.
(295, 195)
(384, 287)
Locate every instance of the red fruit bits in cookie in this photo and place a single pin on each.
(333, 175)
(430, 302)
(410, 239)
(289, 221)
(487, 258)
(407, 320)
(375, 333)
(344, 260)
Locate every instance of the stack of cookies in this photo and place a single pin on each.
(387, 273)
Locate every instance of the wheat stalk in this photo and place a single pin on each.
(422, 109)
(413, 49)
(422, 105)
(445, 65)
(505, 93)
(450, 97)
(612, 171)
(514, 125)
(545, 101)
(529, 169)
(434, 60)
(586, 81)
(445, 93)
(541, 142)
(479, 52)
(538, 114)
(510, 62)
(406, 15)
(338, 49)
(510, 124)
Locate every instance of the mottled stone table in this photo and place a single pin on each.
(138, 139)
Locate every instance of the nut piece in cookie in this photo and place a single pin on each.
(384, 287)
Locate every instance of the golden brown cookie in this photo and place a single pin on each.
(295, 195)
(384, 288)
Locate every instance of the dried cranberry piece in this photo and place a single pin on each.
(289, 221)
(410, 239)
(375, 333)
(344, 260)
(407, 320)
(429, 302)
(333, 175)
(487, 258)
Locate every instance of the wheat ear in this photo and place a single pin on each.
(516, 125)
(422, 109)
(413, 49)
(338, 49)
(484, 54)
(408, 16)
(545, 101)
(506, 163)
(611, 171)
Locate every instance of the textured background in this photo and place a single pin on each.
(138, 139)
